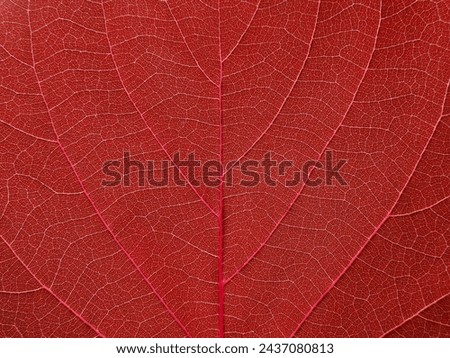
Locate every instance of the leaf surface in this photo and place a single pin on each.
(82, 82)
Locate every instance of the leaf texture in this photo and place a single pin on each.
(81, 82)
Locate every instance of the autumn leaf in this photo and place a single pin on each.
(83, 82)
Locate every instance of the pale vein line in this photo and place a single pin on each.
(415, 315)
(187, 46)
(28, 134)
(422, 209)
(14, 57)
(21, 292)
(243, 33)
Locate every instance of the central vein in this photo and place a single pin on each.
(220, 280)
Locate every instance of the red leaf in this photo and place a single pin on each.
(82, 82)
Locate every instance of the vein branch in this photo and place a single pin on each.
(141, 114)
(49, 290)
(377, 228)
(100, 216)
